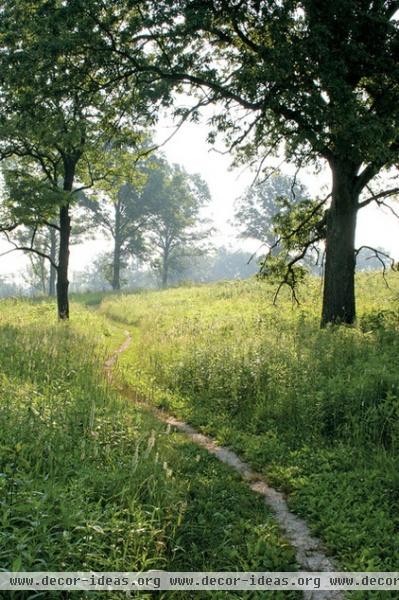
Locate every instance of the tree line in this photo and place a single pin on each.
(82, 82)
(150, 214)
(157, 235)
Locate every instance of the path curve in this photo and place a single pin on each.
(309, 551)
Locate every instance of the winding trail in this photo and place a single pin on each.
(308, 549)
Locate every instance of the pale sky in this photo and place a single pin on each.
(188, 147)
(376, 226)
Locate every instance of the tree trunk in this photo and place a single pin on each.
(63, 252)
(116, 264)
(339, 279)
(53, 270)
(63, 261)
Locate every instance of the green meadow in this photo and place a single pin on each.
(315, 410)
(89, 480)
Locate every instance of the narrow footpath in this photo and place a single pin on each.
(308, 549)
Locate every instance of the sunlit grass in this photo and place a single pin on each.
(317, 410)
(89, 482)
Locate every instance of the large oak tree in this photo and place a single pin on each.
(317, 79)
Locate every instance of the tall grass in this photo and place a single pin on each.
(88, 482)
(317, 409)
(271, 368)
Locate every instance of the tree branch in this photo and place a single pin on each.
(289, 277)
(376, 198)
(29, 249)
(49, 224)
(378, 254)
(33, 250)
(9, 228)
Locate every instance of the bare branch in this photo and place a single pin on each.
(378, 197)
(378, 254)
(256, 251)
(50, 224)
(28, 249)
(365, 176)
(8, 228)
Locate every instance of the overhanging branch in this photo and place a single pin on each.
(28, 249)
(378, 198)
(378, 254)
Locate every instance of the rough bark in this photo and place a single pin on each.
(63, 262)
(53, 270)
(63, 253)
(339, 280)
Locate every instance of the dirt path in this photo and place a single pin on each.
(308, 549)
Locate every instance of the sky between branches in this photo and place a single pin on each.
(189, 148)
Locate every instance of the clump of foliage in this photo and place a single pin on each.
(297, 230)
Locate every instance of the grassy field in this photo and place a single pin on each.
(89, 482)
(315, 410)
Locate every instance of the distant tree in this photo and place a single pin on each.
(257, 208)
(37, 276)
(221, 263)
(176, 230)
(95, 277)
(98, 275)
(140, 275)
(121, 209)
(232, 264)
(9, 288)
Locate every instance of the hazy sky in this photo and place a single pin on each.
(188, 147)
(376, 227)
